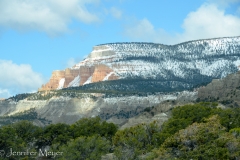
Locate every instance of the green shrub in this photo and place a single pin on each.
(138, 140)
(201, 141)
(235, 132)
(85, 148)
(93, 126)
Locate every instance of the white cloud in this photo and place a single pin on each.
(115, 12)
(143, 30)
(207, 22)
(51, 16)
(16, 79)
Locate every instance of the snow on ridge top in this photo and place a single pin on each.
(101, 51)
(189, 51)
(133, 46)
(235, 38)
(198, 49)
(101, 48)
(128, 43)
(121, 56)
(128, 48)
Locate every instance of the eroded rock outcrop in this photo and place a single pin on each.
(61, 79)
(91, 70)
(226, 90)
(103, 72)
(54, 81)
(64, 109)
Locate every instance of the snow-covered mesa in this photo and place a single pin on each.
(189, 63)
(211, 57)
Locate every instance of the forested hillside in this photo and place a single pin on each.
(196, 131)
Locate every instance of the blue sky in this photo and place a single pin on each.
(39, 36)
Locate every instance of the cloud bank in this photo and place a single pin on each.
(16, 79)
(51, 16)
(208, 21)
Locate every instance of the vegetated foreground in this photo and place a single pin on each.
(195, 131)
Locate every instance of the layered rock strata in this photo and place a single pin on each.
(83, 73)
(68, 110)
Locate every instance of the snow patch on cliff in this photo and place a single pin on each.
(75, 82)
(106, 78)
(89, 80)
(61, 83)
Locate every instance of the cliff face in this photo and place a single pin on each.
(61, 79)
(103, 73)
(77, 77)
(64, 109)
(83, 73)
(195, 61)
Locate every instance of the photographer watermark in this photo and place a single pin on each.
(40, 153)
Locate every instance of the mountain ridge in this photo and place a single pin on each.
(172, 44)
(198, 60)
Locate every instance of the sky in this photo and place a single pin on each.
(39, 36)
